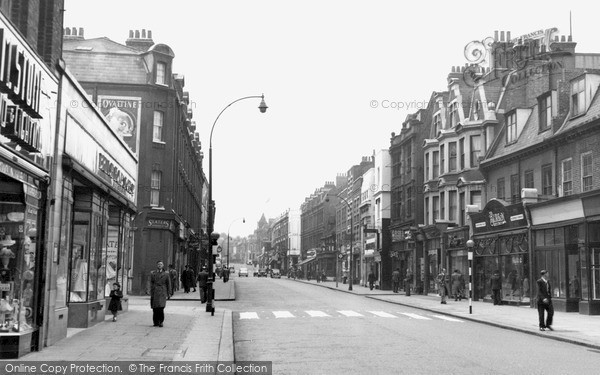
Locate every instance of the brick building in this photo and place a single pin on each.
(147, 105)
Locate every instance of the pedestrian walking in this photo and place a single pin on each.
(457, 280)
(496, 284)
(203, 284)
(372, 280)
(443, 285)
(114, 306)
(184, 279)
(408, 280)
(544, 301)
(396, 280)
(225, 274)
(191, 277)
(159, 289)
(173, 276)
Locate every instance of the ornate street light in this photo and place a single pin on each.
(211, 204)
(350, 270)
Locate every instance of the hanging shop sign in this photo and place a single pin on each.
(496, 216)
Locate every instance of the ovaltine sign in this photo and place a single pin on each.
(21, 85)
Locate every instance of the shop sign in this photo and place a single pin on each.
(115, 175)
(22, 89)
(497, 216)
(397, 235)
(160, 223)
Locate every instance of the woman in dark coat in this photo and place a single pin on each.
(160, 291)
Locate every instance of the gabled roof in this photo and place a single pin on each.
(107, 67)
(591, 114)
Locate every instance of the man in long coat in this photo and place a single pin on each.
(396, 280)
(203, 284)
(159, 290)
(185, 279)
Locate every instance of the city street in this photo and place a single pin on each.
(306, 329)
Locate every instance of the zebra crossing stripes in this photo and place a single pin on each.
(416, 316)
(248, 315)
(447, 318)
(349, 313)
(315, 314)
(383, 314)
(283, 314)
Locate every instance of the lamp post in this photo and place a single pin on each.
(470, 245)
(211, 205)
(234, 220)
(350, 270)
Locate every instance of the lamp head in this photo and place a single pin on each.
(470, 244)
(263, 106)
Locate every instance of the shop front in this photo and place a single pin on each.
(27, 132)
(431, 263)
(566, 234)
(95, 195)
(456, 250)
(403, 256)
(501, 237)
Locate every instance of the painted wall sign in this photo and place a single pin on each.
(123, 114)
(160, 223)
(496, 216)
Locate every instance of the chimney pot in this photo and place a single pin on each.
(67, 31)
(81, 32)
(137, 34)
(508, 36)
(149, 34)
(502, 36)
(130, 34)
(74, 31)
(143, 33)
(556, 38)
(496, 35)
(562, 38)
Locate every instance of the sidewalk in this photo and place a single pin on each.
(189, 333)
(574, 328)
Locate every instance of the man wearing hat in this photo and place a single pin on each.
(203, 284)
(544, 301)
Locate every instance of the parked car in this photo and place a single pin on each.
(255, 273)
(275, 273)
(243, 272)
(262, 272)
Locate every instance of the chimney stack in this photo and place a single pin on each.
(140, 40)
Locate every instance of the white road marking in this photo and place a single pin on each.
(248, 315)
(349, 313)
(383, 314)
(316, 313)
(283, 314)
(416, 316)
(448, 318)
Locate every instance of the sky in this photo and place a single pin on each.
(338, 76)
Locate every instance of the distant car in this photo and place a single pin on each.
(231, 269)
(262, 272)
(255, 273)
(243, 272)
(275, 274)
(249, 262)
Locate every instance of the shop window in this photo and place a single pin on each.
(475, 150)
(586, 171)
(567, 177)
(79, 258)
(547, 179)
(64, 246)
(595, 272)
(157, 127)
(553, 261)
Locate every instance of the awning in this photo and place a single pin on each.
(306, 261)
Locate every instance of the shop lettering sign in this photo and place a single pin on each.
(112, 172)
(21, 87)
(159, 223)
(497, 216)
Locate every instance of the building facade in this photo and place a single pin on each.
(145, 102)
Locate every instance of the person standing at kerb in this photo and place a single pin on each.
(159, 289)
(544, 301)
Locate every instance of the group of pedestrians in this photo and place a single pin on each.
(408, 279)
(453, 285)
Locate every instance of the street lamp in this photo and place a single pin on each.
(211, 205)
(470, 245)
(234, 220)
(350, 270)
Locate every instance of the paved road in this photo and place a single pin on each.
(305, 329)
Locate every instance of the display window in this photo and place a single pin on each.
(18, 255)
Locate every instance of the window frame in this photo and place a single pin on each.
(547, 177)
(452, 205)
(157, 79)
(452, 156)
(155, 184)
(442, 159)
(474, 153)
(461, 151)
(156, 126)
(435, 164)
(566, 182)
(578, 99)
(528, 179)
(511, 127)
(545, 111)
(501, 188)
(587, 186)
(515, 188)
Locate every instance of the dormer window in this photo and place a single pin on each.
(511, 128)
(454, 118)
(545, 111)
(161, 73)
(578, 97)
